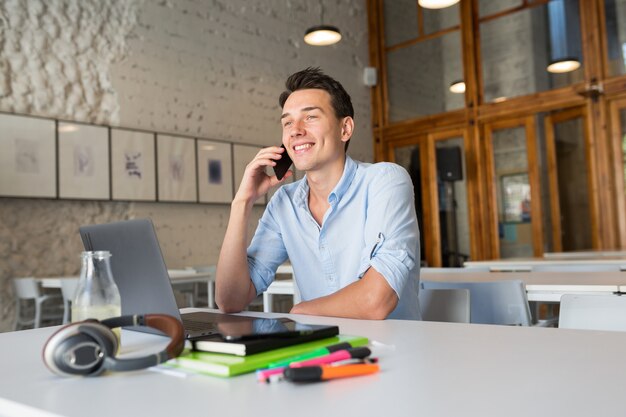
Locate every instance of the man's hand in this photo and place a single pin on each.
(255, 182)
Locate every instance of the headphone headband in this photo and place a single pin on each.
(89, 347)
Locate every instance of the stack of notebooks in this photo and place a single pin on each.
(214, 356)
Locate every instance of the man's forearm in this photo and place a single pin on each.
(369, 298)
(234, 289)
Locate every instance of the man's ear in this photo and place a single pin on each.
(347, 128)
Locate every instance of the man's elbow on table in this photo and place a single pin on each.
(378, 307)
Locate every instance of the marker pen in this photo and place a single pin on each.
(312, 354)
(341, 355)
(325, 372)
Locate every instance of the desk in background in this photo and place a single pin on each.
(177, 277)
(427, 368)
(540, 286)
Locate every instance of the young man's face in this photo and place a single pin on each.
(312, 133)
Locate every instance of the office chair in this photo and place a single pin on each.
(496, 302)
(447, 305)
(593, 312)
(26, 289)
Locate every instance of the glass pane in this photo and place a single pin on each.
(419, 78)
(439, 19)
(512, 193)
(572, 174)
(409, 158)
(454, 227)
(400, 21)
(489, 7)
(517, 48)
(615, 13)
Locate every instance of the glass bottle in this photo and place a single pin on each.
(97, 296)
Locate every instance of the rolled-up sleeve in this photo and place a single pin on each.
(391, 232)
(267, 250)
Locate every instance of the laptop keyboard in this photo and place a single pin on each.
(196, 322)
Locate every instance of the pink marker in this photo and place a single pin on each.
(340, 355)
(263, 375)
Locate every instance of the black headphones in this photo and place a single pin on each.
(88, 348)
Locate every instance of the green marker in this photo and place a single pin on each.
(312, 354)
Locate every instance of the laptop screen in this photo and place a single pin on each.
(136, 263)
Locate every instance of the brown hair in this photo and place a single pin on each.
(314, 78)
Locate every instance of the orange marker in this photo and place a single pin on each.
(324, 372)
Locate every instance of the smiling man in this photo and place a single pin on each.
(348, 228)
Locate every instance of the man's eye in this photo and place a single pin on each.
(309, 117)
(287, 124)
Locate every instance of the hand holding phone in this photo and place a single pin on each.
(282, 164)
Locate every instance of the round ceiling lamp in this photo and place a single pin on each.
(322, 35)
(457, 87)
(437, 4)
(564, 65)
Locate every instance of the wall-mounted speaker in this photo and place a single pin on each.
(450, 164)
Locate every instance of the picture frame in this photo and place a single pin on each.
(242, 155)
(27, 157)
(215, 171)
(83, 161)
(515, 189)
(133, 165)
(176, 169)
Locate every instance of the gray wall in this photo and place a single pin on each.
(202, 68)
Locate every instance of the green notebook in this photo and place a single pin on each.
(220, 364)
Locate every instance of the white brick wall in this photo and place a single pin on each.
(204, 68)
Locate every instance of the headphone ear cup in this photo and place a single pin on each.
(79, 349)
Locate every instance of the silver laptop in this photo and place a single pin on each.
(141, 275)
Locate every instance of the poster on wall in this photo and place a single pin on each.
(215, 172)
(27, 157)
(133, 165)
(176, 167)
(83, 161)
(242, 155)
(516, 197)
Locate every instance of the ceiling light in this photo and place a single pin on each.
(437, 4)
(564, 65)
(322, 35)
(457, 87)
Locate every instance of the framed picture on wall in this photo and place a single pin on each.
(242, 155)
(133, 165)
(515, 197)
(27, 157)
(83, 161)
(215, 172)
(176, 168)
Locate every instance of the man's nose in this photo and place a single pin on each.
(297, 129)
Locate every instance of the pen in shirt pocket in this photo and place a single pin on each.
(379, 241)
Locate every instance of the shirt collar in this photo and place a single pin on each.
(349, 171)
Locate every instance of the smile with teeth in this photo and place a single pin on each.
(302, 147)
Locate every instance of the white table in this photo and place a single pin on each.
(428, 369)
(552, 264)
(541, 286)
(177, 277)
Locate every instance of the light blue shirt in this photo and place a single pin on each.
(371, 222)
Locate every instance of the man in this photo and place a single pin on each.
(348, 228)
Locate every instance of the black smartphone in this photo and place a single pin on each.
(282, 164)
(263, 328)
